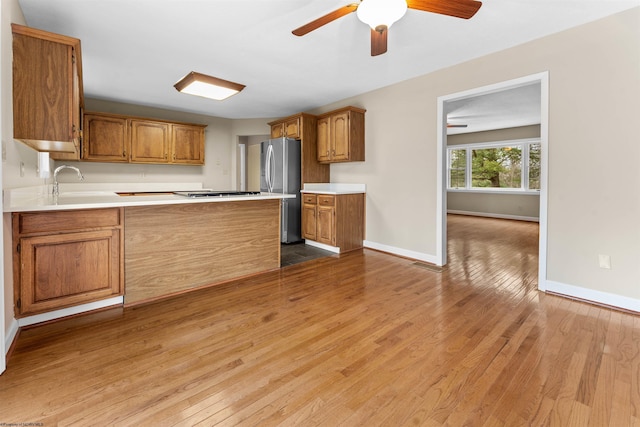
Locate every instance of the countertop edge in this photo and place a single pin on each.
(335, 193)
(98, 202)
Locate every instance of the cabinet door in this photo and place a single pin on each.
(277, 131)
(76, 113)
(339, 136)
(149, 142)
(292, 128)
(323, 140)
(44, 79)
(69, 269)
(105, 139)
(187, 144)
(309, 221)
(325, 225)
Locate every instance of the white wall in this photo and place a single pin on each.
(594, 178)
(15, 153)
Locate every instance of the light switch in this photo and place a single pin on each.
(605, 261)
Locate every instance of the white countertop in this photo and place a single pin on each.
(334, 188)
(95, 196)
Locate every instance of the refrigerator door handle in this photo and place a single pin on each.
(267, 170)
(272, 168)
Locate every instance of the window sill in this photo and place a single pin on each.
(495, 191)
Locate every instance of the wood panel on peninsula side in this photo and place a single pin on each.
(175, 248)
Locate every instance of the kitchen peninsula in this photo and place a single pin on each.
(96, 244)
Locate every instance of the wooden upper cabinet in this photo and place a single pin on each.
(304, 127)
(105, 138)
(341, 135)
(118, 138)
(149, 141)
(47, 91)
(289, 128)
(292, 128)
(323, 140)
(277, 130)
(187, 144)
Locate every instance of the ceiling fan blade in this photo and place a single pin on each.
(457, 8)
(379, 40)
(323, 20)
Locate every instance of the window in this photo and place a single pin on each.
(510, 165)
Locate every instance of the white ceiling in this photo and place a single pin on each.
(135, 50)
(517, 106)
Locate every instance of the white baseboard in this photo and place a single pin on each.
(10, 336)
(599, 297)
(495, 215)
(329, 248)
(57, 314)
(401, 252)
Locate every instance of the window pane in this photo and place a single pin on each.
(534, 167)
(496, 167)
(457, 168)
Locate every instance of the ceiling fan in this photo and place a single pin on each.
(380, 14)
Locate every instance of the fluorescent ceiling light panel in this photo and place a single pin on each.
(207, 86)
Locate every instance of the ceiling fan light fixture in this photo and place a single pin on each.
(207, 86)
(377, 13)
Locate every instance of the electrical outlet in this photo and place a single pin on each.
(604, 261)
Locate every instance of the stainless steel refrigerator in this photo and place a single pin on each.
(280, 173)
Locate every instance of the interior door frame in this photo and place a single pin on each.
(441, 203)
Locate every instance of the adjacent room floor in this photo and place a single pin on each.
(358, 339)
(295, 253)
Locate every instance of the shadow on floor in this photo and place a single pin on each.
(295, 253)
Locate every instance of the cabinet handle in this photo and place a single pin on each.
(165, 155)
(174, 156)
(124, 154)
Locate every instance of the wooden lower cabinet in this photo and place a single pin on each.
(66, 258)
(309, 216)
(334, 220)
(325, 226)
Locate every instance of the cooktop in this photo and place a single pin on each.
(214, 193)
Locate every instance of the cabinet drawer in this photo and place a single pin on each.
(324, 200)
(309, 198)
(51, 222)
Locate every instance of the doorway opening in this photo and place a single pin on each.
(248, 158)
(446, 106)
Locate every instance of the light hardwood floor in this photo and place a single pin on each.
(361, 339)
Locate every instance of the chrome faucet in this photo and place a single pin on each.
(56, 190)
